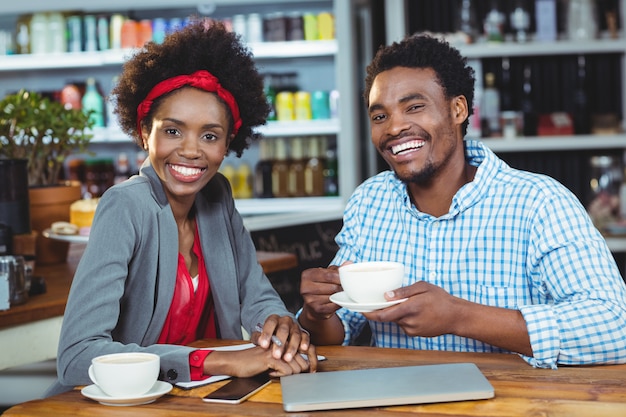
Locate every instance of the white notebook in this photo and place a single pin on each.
(384, 386)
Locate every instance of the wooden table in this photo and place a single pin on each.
(29, 332)
(520, 391)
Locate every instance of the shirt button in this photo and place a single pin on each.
(172, 374)
(432, 274)
(195, 358)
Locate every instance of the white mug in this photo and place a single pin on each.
(127, 374)
(367, 282)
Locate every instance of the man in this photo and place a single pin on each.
(497, 259)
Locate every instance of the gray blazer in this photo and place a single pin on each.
(124, 283)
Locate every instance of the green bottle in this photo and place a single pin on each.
(94, 102)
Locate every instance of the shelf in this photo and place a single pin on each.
(556, 143)
(274, 221)
(311, 205)
(294, 49)
(513, 49)
(32, 6)
(301, 128)
(265, 50)
(65, 60)
(272, 129)
(616, 243)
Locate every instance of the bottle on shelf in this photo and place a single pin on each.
(103, 33)
(140, 158)
(296, 168)
(92, 178)
(22, 35)
(580, 111)
(144, 32)
(331, 180)
(115, 28)
(302, 105)
(90, 25)
(280, 169)
(239, 24)
(581, 20)
(326, 26)
(244, 181)
(490, 107)
(122, 168)
(111, 117)
(529, 112)
(75, 33)
(57, 41)
(71, 97)
(520, 21)
(474, 129)
(39, 33)
(159, 30)
(228, 171)
(263, 170)
(285, 106)
(254, 28)
(93, 102)
(494, 23)
(506, 97)
(467, 21)
(314, 169)
(129, 34)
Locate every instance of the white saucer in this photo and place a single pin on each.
(342, 299)
(65, 238)
(159, 389)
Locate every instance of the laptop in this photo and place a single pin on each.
(384, 387)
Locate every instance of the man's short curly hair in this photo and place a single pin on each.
(201, 45)
(424, 51)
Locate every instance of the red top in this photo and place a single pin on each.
(192, 313)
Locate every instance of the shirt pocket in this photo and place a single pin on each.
(499, 296)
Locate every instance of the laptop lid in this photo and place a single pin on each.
(384, 386)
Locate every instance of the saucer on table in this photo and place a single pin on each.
(159, 389)
(342, 299)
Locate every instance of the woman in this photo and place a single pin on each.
(169, 260)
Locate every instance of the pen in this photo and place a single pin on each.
(275, 339)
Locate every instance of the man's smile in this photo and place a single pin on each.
(407, 146)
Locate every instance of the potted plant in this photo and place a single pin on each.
(45, 133)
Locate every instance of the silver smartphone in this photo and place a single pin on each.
(237, 390)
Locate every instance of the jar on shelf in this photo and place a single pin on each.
(604, 188)
(581, 20)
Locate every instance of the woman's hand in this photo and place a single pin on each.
(250, 362)
(287, 341)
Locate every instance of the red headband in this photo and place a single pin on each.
(200, 79)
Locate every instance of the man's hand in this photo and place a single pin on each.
(318, 312)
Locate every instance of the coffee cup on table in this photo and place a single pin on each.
(127, 374)
(367, 282)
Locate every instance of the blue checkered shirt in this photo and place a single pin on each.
(511, 239)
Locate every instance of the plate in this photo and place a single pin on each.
(159, 389)
(66, 238)
(342, 299)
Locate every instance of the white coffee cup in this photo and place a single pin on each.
(127, 374)
(367, 282)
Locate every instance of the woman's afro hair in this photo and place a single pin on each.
(200, 45)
